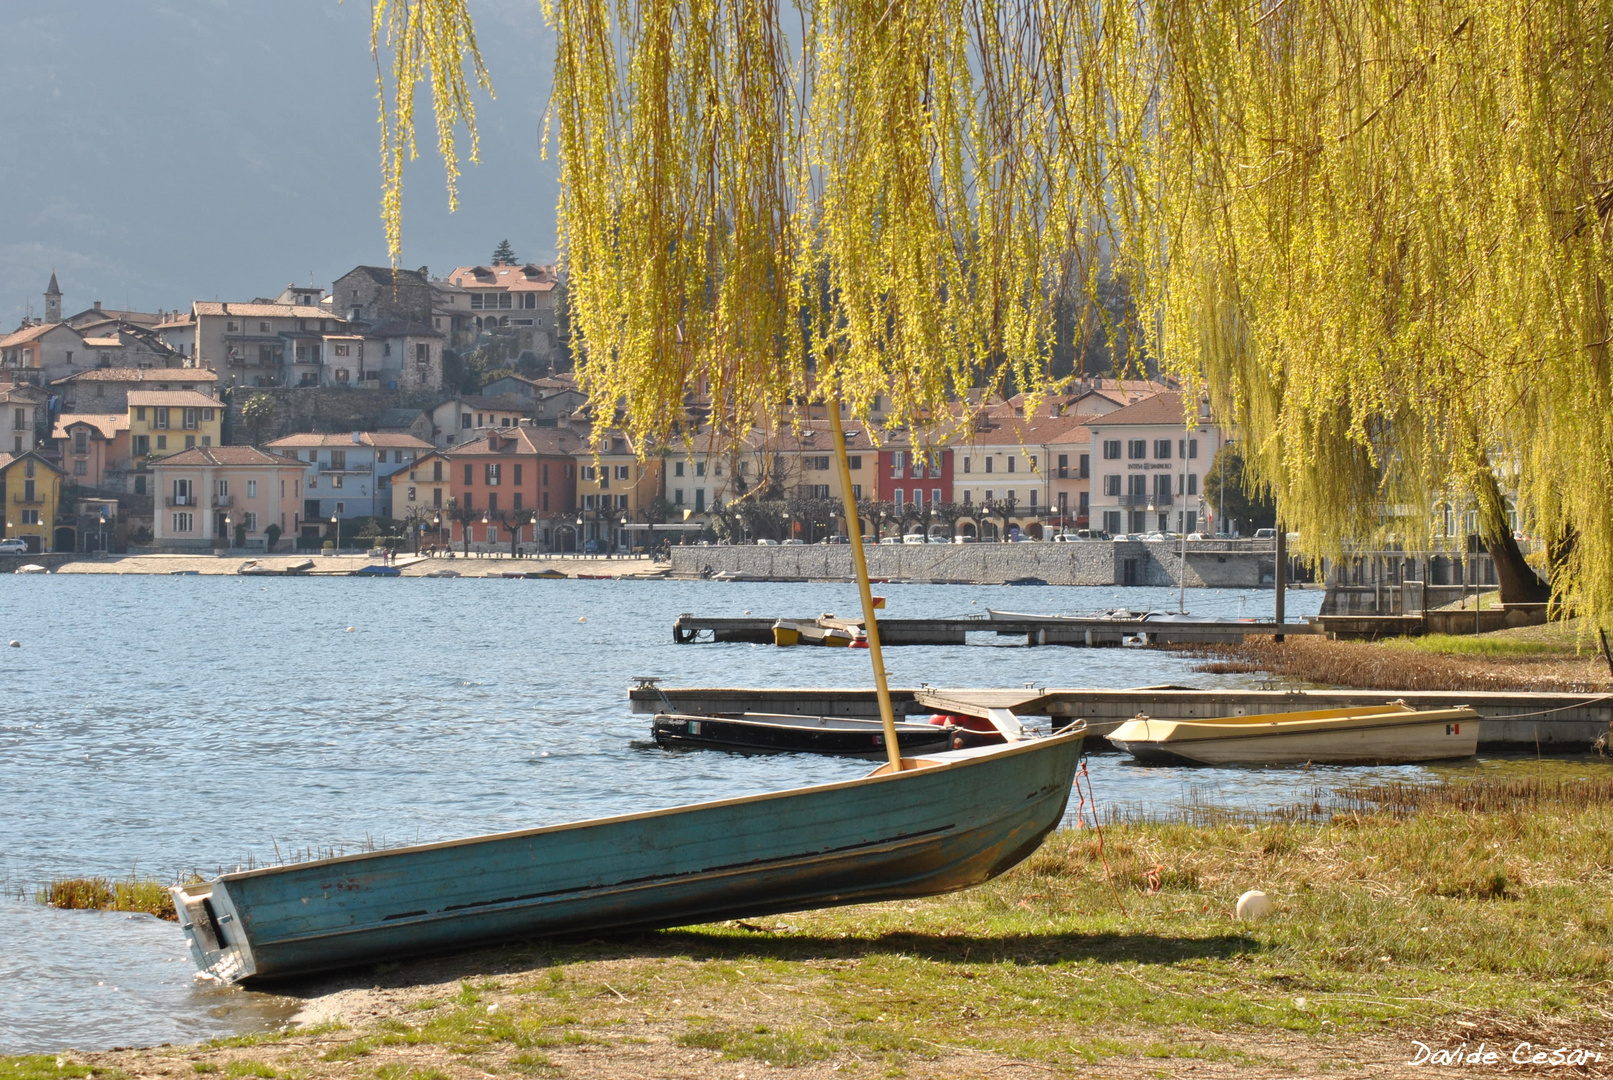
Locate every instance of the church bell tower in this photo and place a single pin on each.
(53, 301)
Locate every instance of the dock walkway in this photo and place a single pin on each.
(688, 628)
(1511, 720)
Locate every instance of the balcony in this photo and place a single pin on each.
(223, 502)
(23, 500)
(1158, 498)
(180, 500)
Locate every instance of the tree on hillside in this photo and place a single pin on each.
(1379, 233)
(257, 418)
(1227, 491)
(504, 254)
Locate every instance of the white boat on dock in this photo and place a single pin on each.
(1379, 735)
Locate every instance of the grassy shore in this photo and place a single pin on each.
(1471, 910)
(1555, 658)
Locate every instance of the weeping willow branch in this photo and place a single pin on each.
(1375, 232)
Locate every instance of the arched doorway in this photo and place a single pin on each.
(66, 539)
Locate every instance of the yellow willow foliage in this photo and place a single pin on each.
(1387, 255)
(1376, 232)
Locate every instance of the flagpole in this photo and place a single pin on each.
(860, 561)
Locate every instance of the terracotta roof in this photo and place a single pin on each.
(128, 374)
(108, 424)
(223, 455)
(387, 439)
(181, 398)
(1159, 409)
(258, 311)
(521, 439)
(24, 392)
(33, 333)
(528, 278)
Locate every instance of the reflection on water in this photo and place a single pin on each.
(209, 721)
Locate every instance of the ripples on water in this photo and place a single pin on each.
(161, 725)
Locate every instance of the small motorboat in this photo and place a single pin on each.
(773, 733)
(551, 574)
(377, 570)
(1378, 735)
(441, 573)
(934, 824)
(252, 568)
(799, 632)
(1027, 580)
(737, 575)
(35, 568)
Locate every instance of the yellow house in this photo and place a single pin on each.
(420, 492)
(163, 422)
(614, 492)
(32, 489)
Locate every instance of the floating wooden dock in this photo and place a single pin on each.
(688, 628)
(1516, 721)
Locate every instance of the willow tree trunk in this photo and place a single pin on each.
(1518, 582)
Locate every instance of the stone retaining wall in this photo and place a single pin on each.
(1089, 563)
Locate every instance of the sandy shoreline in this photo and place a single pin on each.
(476, 565)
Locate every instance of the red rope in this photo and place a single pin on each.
(1102, 854)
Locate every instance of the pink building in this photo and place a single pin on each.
(203, 495)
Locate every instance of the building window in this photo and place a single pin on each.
(182, 523)
(1013, 461)
(677, 468)
(422, 354)
(1033, 498)
(81, 441)
(1111, 449)
(855, 461)
(159, 418)
(251, 488)
(493, 471)
(492, 502)
(190, 442)
(677, 496)
(81, 467)
(935, 495)
(1111, 485)
(900, 498)
(1162, 449)
(1192, 483)
(139, 485)
(1137, 449)
(967, 462)
(162, 442)
(249, 521)
(621, 472)
(516, 478)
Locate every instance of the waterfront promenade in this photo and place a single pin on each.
(478, 564)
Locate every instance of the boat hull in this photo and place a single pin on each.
(795, 734)
(949, 825)
(1339, 737)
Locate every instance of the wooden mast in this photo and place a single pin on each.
(860, 561)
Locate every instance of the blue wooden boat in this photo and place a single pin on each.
(377, 570)
(944, 822)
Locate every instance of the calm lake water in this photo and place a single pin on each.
(159, 725)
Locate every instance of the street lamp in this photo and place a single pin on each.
(103, 530)
(335, 533)
(227, 543)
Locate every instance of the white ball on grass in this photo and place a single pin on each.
(1254, 904)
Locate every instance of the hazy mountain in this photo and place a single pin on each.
(156, 153)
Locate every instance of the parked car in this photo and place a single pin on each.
(13, 545)
(792, 542)
(1197, 536)
(963, 539)
(1265, 534)
(886, 541)
(765, 542)
(915, 538)
(836, 539)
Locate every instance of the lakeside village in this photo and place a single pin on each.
(439, 415)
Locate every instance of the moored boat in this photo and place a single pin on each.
(35, 568)
(801, 632)
(377, 570)
(940, 823)
(1383, 734)
(761, 733)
